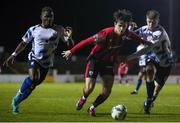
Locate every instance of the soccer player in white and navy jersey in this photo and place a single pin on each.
(44, 38)
(159, 64)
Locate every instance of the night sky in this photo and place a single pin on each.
(87, 17)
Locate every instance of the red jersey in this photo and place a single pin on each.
(123, 68)
(106, 44)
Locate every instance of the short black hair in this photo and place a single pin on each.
(47, 9)
(122, 15)
(152, 14)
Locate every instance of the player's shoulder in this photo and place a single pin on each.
(32, 28)
(160, 28)
(143, 28)
(106, 31)
(109, 29)
(35, 26)
(159, 31)
(58, 27)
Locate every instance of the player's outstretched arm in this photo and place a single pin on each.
(144, 50)
(137, 54)
(11, 58)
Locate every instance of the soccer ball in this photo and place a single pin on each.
(119, 112)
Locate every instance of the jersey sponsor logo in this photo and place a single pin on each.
(96, 37)
(91, 73)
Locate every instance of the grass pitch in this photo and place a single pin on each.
(56, 103)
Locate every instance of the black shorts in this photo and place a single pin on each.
(162, 74)
(95, 67)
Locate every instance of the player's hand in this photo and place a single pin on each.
(132, 26)
(66, 54)
(9, 60)
(68, 32)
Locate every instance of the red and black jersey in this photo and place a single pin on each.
(106, 44)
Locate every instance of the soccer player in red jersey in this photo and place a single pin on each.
(105, 52)
(122, 72)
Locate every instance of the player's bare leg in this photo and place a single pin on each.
(106, 91)
(88, 88)
(126, 80)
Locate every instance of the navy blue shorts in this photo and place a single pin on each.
(32, 64)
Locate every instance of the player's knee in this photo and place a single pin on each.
(150, 69)
(106, 93)
(33, 78)
(88, 89)
(40, 80)
(37, 79)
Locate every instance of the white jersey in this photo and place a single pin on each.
(142, 58)
(44, 42)
(163, 50)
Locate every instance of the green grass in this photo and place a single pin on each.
(56, 103)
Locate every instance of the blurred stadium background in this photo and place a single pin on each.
(86, 18)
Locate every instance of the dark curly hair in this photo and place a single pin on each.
(122, 15)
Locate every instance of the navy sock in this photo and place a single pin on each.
(25, 90)
(138, 84)
(24, 95)
(148, 102)
(26, 84)
(150, 90)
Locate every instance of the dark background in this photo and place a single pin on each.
(87, 17)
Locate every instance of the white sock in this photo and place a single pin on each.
(92, 107)
(84, 98)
